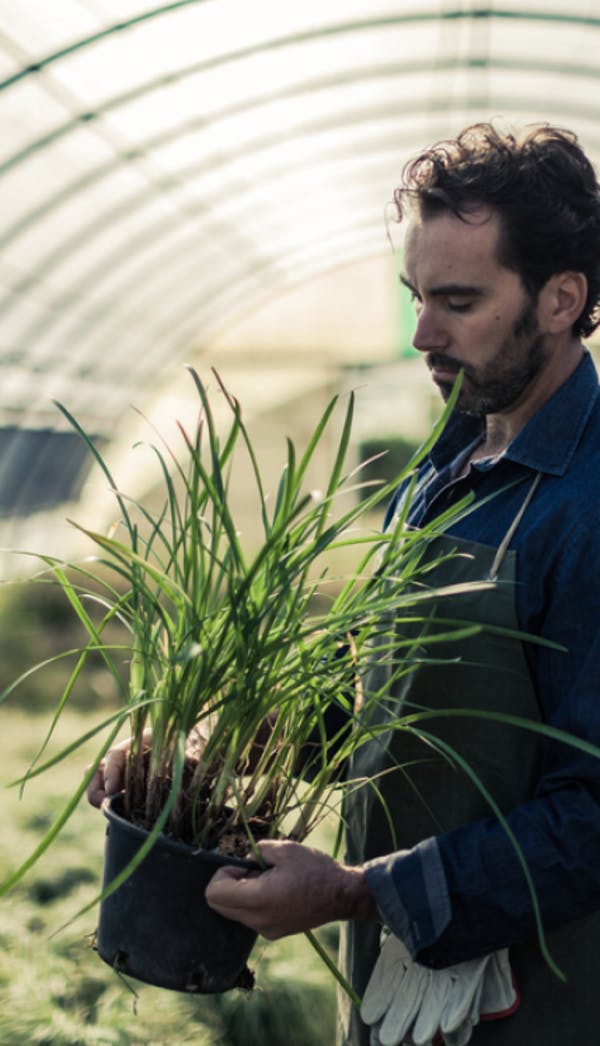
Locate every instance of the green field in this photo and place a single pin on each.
(55, 991)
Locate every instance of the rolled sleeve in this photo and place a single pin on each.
(411, 893)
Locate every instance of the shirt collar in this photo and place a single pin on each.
(548, 441)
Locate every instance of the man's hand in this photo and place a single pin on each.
(302, 888)
(109, 778)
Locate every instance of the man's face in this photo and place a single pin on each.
(473, 313)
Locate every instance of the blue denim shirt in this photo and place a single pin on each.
(463, 893)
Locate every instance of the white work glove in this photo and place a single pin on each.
(499, 995)
(410, 1004)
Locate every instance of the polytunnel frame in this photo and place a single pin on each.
(179, 179)
(193, 311)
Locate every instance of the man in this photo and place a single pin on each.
(493, 830)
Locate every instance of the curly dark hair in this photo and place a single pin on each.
(542, 185)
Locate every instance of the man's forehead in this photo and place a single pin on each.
(444, 241)
(476, 220)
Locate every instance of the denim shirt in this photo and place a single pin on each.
(463, 893)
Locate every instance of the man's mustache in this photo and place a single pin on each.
(436, 359)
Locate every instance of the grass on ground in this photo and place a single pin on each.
(55, 991)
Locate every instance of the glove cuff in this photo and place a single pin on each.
(507, 1011)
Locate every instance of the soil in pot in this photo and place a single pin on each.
(156, 926)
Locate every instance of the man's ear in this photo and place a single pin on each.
(561, 301)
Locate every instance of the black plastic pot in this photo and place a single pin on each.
(157, 926)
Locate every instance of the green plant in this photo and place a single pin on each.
(237, 661)
(243, 657)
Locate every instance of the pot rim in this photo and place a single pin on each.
(112, 809)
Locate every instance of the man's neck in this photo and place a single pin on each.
(501, 429)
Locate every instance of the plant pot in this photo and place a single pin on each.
(157, 926)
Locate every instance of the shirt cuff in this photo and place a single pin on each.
(411, 893)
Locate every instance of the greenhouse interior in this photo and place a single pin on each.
(209, 184)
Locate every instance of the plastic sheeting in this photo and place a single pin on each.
(166, 168)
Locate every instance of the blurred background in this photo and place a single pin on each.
(208, 182)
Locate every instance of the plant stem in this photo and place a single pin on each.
(320, 950)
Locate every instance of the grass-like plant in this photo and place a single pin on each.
(237, 662)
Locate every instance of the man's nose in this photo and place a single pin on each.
(430, 335)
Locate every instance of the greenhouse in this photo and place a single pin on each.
(199, 195)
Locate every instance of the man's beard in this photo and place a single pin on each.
(499, 384)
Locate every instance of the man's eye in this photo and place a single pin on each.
(459, 306)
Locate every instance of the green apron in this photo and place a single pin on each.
(426, 796)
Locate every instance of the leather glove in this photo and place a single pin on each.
(499, 995)
(411, 1004)
(495, 997)
(394, 993)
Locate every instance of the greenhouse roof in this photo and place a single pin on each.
(168, 168)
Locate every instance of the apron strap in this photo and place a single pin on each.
(506, 540)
